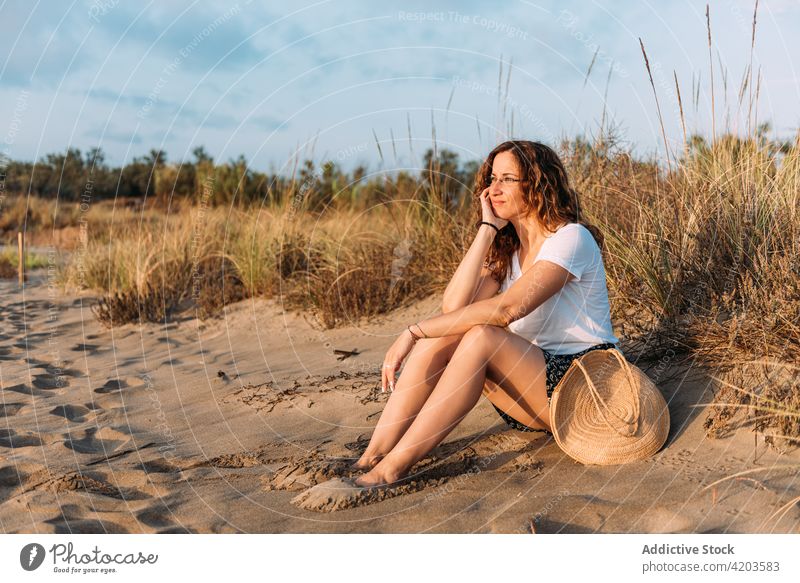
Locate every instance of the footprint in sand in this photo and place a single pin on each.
(14, 439)
(171, 362)
(129, 486)
(157, 516)
(10, 409)
(50, 382)
(92, 348)
(74, 413)
(159, 466)
(112, 386)
(116, 385)
(105, 440)
(31, 391)
(34, 362)
(171, 341)
(10, 353)
(64, 372)
(65, 525)
(16, 478)
(11, 478)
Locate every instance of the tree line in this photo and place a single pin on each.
(74, 176)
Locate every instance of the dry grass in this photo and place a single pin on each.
(67, 225)
(703, 259)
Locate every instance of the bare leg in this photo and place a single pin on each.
(513, 360)
(419, 376)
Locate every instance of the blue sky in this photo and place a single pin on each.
(324, 79)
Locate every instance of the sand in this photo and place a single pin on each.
(225, 425)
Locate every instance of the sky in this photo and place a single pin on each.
(333, 80)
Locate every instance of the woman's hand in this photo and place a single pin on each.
(394, 358)
(488, 211)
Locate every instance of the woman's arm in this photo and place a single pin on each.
(471, 280)
(535, 286)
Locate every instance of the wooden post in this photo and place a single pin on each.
(21, 250)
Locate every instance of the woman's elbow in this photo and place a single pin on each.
(505, 315)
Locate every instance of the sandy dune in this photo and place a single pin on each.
(218, 426)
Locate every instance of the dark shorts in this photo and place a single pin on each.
(556, 366)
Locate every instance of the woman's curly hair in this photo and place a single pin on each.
(546, 192)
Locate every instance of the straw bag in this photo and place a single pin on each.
(606, 411)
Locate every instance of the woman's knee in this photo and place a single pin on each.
(481, 336)
(437, 350)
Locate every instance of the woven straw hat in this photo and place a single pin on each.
(606, 411)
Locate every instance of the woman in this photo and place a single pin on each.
(528, 297)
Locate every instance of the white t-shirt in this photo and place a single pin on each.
(578, 316)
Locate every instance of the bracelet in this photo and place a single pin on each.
(495, 227)
(421, 331)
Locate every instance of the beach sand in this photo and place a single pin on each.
(217, 426)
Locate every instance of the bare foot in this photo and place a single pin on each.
(376, 477)
(367, 462)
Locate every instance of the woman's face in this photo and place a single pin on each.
(506, 198)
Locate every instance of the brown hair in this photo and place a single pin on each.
(546, 192)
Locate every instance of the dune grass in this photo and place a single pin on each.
(703, 258)
(10, 257)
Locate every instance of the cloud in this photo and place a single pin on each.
(267, 123)
(114, 96)
(41, 43)
(99, 133)
(202, 34)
